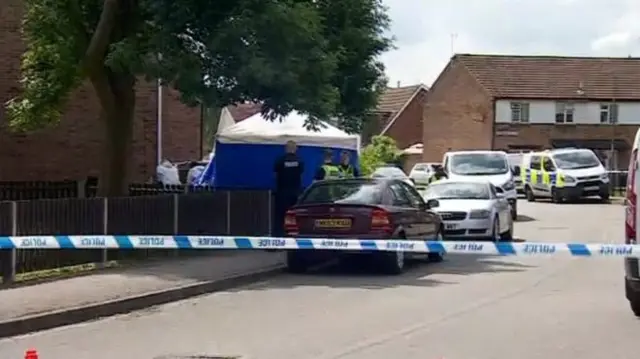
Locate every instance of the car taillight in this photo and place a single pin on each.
(631, 197)
(290, 223)
(380, 220)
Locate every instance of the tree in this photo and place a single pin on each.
(381, 151)
(316, 56)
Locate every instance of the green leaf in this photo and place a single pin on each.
(382, 150)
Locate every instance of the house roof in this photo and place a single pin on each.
(393, 101)
(243, 111)
(553, 77)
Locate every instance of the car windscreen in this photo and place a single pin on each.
(351, 192)
(576, 160)
(457, 190)
(479, 164)
(388, 172)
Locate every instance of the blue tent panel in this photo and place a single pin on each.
(250, 166)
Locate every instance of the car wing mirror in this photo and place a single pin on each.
(432, 203)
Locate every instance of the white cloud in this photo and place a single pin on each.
(424, 29)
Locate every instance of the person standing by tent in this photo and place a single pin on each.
(328, 170)
(346, 169)
(288, 172)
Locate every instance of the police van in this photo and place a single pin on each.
(631, 265)
(489, 166)
(564, 175)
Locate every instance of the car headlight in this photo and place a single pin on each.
(569, 179)
(604, 177)
(508, 186)
(479, 214)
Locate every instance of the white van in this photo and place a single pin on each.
(491, 166)
(631, 265)
(564, 174)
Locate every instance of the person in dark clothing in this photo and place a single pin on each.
(346, 169)
(328, 170)
(288, 171)
(439, 173)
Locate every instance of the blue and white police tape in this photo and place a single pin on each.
(229, 242)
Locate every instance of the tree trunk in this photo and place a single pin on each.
(118, 124)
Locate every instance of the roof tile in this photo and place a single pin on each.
(553, 77)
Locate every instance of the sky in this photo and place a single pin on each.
(426, 31)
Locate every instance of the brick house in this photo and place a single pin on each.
(72, 149)
(524, 103)
(399, 115)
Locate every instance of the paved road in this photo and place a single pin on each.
(464, 308)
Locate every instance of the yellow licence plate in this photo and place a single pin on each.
(333, 223)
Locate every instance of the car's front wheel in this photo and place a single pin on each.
(437, 257)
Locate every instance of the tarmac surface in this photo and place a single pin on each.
(463, 308)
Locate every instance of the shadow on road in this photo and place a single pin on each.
(363, 274)
(524, 218)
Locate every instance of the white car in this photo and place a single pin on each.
(392, 172)
(421, 172)
(471, 209)
(484, 166)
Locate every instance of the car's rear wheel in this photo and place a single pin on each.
(633, 297)
(529, 193)
(297, 262)
(392, 262)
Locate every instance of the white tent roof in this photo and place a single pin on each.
(258, 130)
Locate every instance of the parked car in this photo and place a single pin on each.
(632, 265)
(421, 172)
(564, 174)
(471, 209)
(484, 166)
(367, 208)
(392, 172)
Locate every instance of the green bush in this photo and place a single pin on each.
(382, 150)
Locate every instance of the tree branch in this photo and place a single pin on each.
(102, 35)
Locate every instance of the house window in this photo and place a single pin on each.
(609, 113)
(564, 112)
(519, 112)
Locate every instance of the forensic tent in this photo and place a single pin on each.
(246, 151)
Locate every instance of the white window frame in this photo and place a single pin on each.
(567, 110)
(611, 111)
(519, 112)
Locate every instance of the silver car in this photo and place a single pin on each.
(471, 209)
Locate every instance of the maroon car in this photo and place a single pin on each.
(360, 209)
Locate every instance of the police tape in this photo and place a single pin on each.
(231, 242)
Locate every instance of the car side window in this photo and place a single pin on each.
(400, 197)
(414, 196)
(547, 164)
(535, 163)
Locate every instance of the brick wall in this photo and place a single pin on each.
(73, 149)
(407, 128)
(458, 114)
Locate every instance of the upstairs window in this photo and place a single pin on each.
(564, 112)
(519, 112)
(609, 113)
